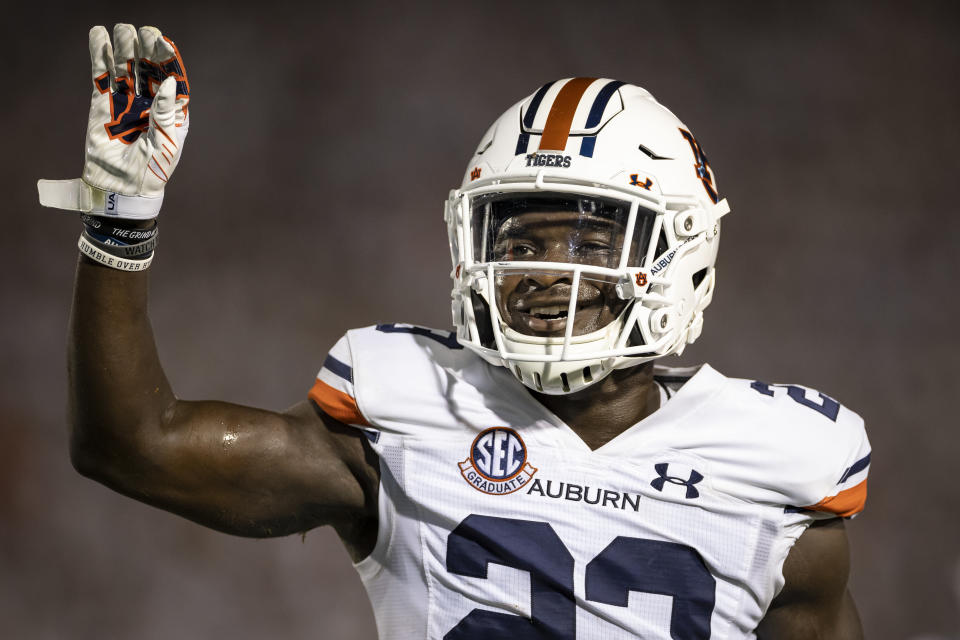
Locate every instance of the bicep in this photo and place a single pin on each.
(815, 602)
(252, 472)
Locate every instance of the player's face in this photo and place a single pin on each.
(536, 302)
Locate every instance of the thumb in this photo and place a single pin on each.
(164, 104)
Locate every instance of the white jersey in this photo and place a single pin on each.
(497, 521)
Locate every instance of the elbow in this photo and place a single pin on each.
(115, 455)
(97, 453)
(84, 456)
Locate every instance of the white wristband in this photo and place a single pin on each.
(77, 195)
(123, 264)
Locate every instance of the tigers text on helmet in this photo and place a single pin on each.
(584, 235)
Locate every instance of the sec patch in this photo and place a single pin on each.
(497, 463)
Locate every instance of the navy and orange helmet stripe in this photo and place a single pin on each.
(523, 140)
(535, 105)
(560, 118)
(596, 113)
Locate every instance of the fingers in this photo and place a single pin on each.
(148, 43)
(165, 140)
(162, 60)
(165, 103)
(165, 53)
(125, 55)
(139, 61)
(151, 63)
(101, 59)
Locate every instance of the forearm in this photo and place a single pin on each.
(116, 384)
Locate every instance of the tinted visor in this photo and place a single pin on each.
(557, 227)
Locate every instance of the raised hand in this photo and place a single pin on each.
(138, 122)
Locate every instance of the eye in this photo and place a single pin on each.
(522, 250)
(515, 249)
(596, 252)
(594, 248)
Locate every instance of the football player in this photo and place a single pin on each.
(532, 475)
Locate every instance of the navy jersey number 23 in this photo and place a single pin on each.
(625, 565)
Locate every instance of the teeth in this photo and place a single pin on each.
(548, 311)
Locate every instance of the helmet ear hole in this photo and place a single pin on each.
(481, 312)
(636, 338)
(661, 245)
(698, 277)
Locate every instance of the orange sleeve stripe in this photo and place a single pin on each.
(337, 404)
(557, 128)
(846, 503)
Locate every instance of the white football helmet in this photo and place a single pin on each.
(587, 200)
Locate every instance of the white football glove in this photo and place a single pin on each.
(138, 123)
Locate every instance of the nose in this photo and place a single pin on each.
(540, 280)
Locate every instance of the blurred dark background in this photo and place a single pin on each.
(308, 201)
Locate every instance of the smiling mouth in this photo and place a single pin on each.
(553, 312)
(545, 311)
(539, 322)
(545, 319)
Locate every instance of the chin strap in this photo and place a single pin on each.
(721, 209)
(717, 211)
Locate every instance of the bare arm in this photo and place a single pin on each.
(237, 469)
(815, 602)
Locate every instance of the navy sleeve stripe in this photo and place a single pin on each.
(341, 369)
(855, 468)
(448, 339)
(789, 509)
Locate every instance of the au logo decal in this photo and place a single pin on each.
(497, 463)
(701, 165)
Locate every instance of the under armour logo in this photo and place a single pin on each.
(475, 173)
(635, 181)
(661, 469)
